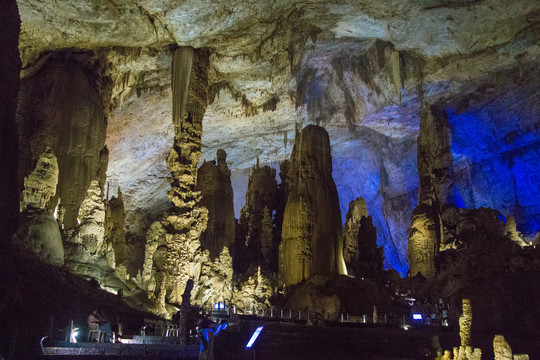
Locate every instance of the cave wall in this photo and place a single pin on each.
(60, 106)
(10, 65)
(496, 154)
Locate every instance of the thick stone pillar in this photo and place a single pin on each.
(173, 251)
(434, 170)
(10, 66)
(311, 233)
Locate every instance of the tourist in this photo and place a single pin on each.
(103, 323)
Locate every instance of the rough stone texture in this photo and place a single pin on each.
(465, 323)
(114, 231)
(311, 233)
(357, 210)
(260, 54)
(91, 230)
(435, 171)
(38, 233)
(40, 185)
(174, 253)
(256, 243)
(10, 63)
(423, 241)
(501, 348)
(60, 107)
(214, 183)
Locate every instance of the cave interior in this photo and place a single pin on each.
(344, 159)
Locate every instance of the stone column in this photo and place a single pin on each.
(434, 170)
(311, 232)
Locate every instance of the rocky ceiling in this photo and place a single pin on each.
(359, 68)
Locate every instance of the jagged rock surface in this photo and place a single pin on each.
(40, 185)
(174, 253)
(434, 170)
(38, 232)
(60, 106)
(256, 243)
(214, 183)
(311, 233)
(361, 254)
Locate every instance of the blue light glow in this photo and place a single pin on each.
(219, 306)
(417, 316)
(254, 337)
(496, 155)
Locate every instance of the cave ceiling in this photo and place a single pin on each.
(279, 65)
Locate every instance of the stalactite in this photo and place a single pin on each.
(181, 70)
(396, 73)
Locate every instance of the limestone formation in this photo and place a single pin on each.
(423, 244)
(465, 322)
(114, 229)
(214, 183)
(256, 244)
(91, 231)
(434, 169)
(174, 252)
(362, 256)
(61, 107)
(40, 185)
(38, 231)
(357, 210)
(311, 233)
(501, 348)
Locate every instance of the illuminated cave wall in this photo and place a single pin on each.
(382, 171)
(496, 151)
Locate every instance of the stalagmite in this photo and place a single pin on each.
(435, 164)
(501, 348)
(255, 245)
(311, 233)
(174, 252)
(40, 185)
(465, 322)
(38, 230)
(214, 183)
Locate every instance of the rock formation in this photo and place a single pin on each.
(60, 106)
(40, 185)
(434, 170)
(38, 231)
(501, 348)
(311, 233)
(10, 63)
(465, 323)
(114, 230)
(361, 254)
(256, 244)
(214, 183)
(174, 253)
